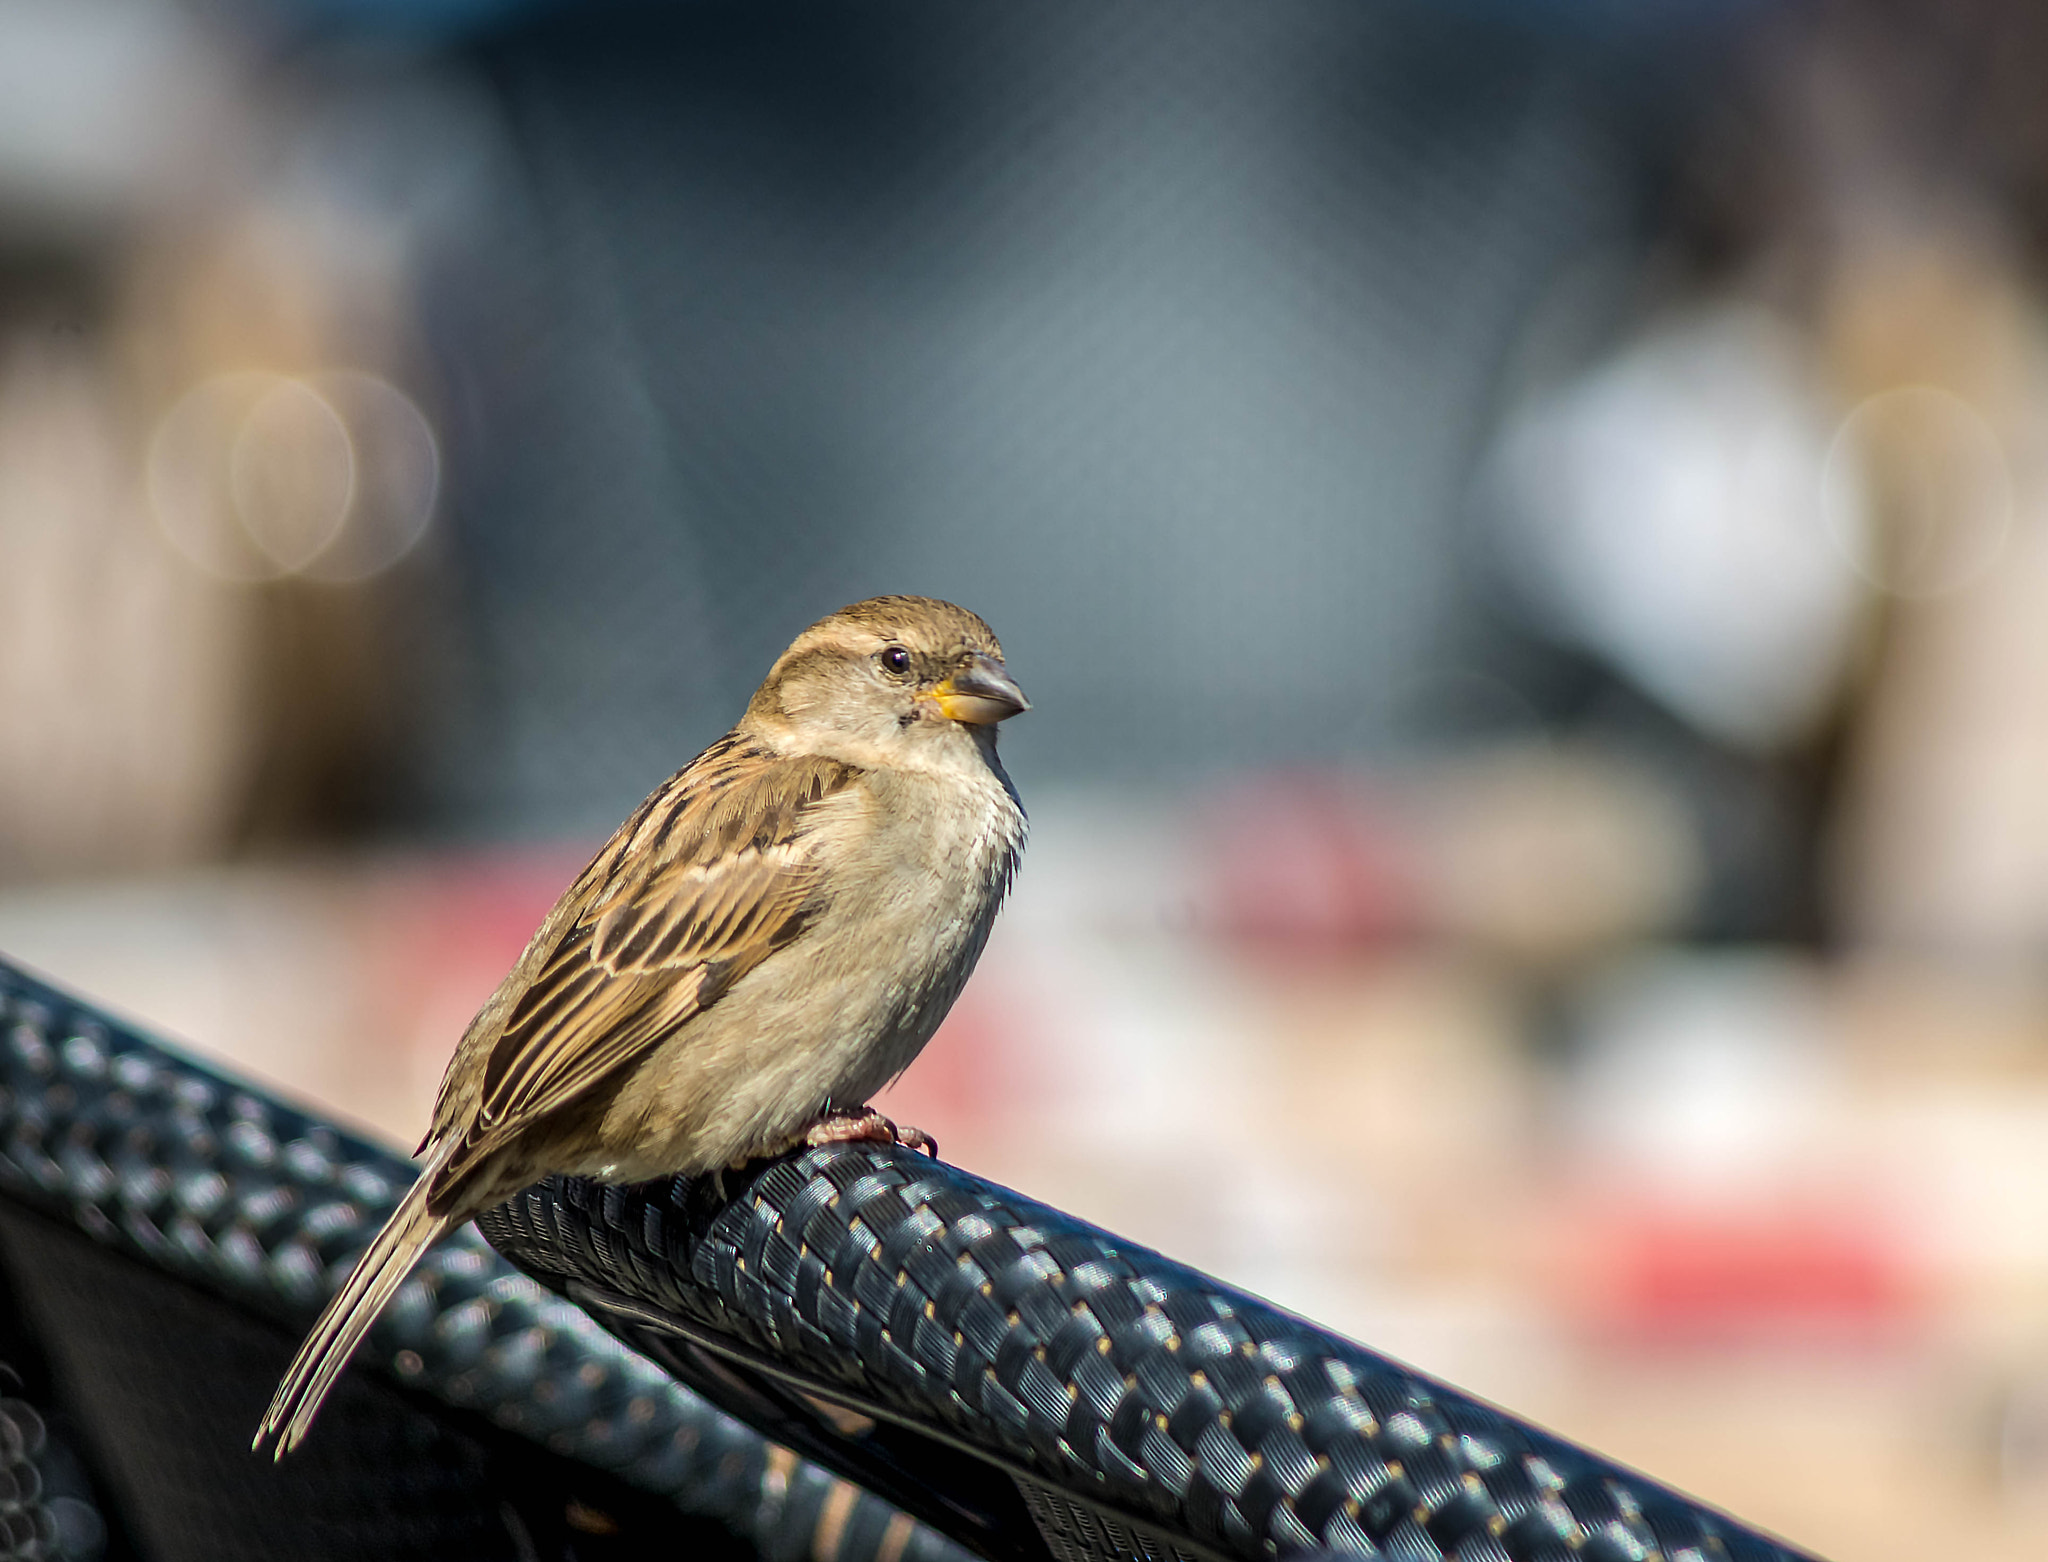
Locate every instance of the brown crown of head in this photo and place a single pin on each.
(925, 623)
(939, 638)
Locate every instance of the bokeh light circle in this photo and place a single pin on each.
(186, 472)
(397, 476)
(1917, 491)
(333, 476)
(292, 474)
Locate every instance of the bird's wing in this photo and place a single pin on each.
(714, 873)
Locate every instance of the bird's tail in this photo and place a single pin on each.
(378, 1274)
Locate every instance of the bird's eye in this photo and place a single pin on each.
(896, 660)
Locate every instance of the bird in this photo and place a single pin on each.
(768, 940)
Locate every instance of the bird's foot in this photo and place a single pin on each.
(864, 1125)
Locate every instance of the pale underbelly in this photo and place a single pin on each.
(813, 1027)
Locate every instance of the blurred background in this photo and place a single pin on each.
(1526, 526)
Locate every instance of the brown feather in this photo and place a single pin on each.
(852, 808)
(705, 881)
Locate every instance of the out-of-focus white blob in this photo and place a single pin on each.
(1703, 1077)
(101, 106)
(397, 476)
(253, 475)
(292, 474)
(1947, 486)
(1666, 511)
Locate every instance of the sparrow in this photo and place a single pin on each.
(767, 941)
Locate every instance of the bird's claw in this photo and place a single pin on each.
(917, 1139)
(867, 1126)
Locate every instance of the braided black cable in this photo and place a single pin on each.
(978, 1357)
(28, 1529)
(1020, 1380)
(211, 1181)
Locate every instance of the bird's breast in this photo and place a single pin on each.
(942, 855)
(914, 876)
(905, 931)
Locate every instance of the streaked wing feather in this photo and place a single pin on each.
(703, 883)
(605, 1023)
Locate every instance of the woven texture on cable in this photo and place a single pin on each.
(1100, 1369)
(210, 1181)
(28, 1529)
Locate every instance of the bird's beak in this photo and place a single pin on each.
(980, 694)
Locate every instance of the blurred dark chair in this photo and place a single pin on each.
(940, 1364)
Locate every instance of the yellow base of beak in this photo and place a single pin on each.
(980, 694)
(974, 709)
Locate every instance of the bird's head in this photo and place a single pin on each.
(900, 680)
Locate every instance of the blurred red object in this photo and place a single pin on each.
(448, 928)
(1796, 1274)
(1311, 863)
